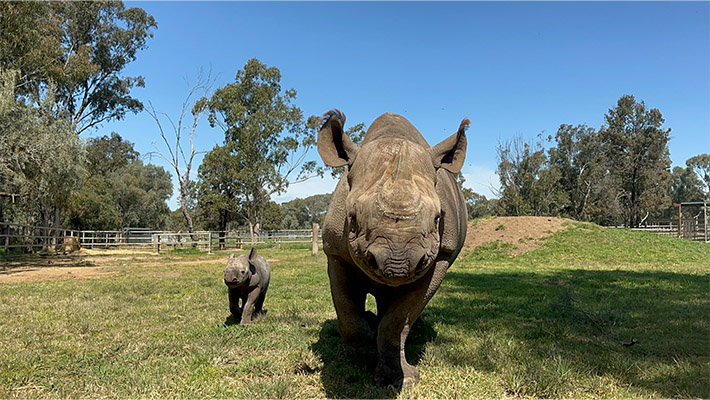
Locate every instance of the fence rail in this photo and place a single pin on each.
(17, 239)
(692, 229)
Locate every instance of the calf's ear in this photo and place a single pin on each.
(334, 145)
(451, 152)
(252, 254)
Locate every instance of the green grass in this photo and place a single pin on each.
(549, 323)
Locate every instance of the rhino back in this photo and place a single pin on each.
(393, 126)
(453, 214)
(263, 271)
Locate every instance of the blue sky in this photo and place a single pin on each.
(513, 68)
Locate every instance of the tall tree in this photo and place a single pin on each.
(635, 147)
(82, 48)
(140, 192)
(578, 159)
(218, 199)
(40, 157)
(685, 185)
(528, 185)
(107, 154)
(179, 159)
(700, 164)
(267, 135)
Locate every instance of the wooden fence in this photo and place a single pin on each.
(693, 229)
(23, 239)
(16, 239)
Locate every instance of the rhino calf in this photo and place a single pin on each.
(395, 223)
(247, 279)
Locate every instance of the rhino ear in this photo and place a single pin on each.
(451, 152)
(252, 254)
(334, 146)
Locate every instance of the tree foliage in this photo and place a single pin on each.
(700, 164)
(636, 156)
(79, 47)
(266, 135)
(119, 190)
(303, 213)
(528, 185)
(218, 187)
(618, 174)
(40, 157)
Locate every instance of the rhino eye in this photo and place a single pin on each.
(436, 220)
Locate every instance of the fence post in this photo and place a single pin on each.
(209, 239)
(314, 240)
(705, 220)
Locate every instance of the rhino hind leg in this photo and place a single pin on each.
(259, 304)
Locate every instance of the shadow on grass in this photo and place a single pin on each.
(583, 320)
(348, 371)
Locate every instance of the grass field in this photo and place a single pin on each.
(595, 313)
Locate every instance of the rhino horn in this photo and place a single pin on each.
(400, 166)
(398, 197)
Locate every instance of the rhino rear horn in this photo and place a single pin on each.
(451, 152)
(334, 146)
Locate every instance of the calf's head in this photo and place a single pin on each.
(239, 270)
(393, 209)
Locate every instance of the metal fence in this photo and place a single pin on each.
(16, 239)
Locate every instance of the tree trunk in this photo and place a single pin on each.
(251, 233)
(188, 218)
(222, 229)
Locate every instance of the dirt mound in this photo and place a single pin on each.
(522, 232)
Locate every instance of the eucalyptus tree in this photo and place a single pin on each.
(700, 164)
(175, 153)
(267, 135)
(218, 188)
(578, 159)
(635, 147)
(528, 186)
(79, 47)
(41, 158)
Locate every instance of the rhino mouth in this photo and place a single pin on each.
(396, 270)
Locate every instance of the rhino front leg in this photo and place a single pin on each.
(248, 310)
(400, 310)
(347, 288)
(234, 303)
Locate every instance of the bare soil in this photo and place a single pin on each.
(88, 263)
(522, 232)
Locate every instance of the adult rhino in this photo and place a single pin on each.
(395, 223)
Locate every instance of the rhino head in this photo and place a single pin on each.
(239, 270)
(393, 210)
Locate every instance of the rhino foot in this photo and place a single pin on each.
(400, 376)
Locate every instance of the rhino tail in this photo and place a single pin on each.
(332, 113)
